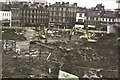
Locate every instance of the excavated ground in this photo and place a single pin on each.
(76, 57)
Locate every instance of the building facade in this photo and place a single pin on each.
(35, 15)
(96, 18)
(5, 17)
(118, 17)
(108, 19)
(80, 18)
(14, 7)
(62, 15)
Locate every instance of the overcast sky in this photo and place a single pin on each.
(109, 4)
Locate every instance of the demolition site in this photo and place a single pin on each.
(73, 53)
(60, 40)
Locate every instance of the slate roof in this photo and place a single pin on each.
(110, 15)
(62, 5)
(101, 14)
(93, 13)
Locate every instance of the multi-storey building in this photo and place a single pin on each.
(5, 17)
(96, 18)
(14, 7)
(118, 17)
(62, 15)
(35, 15)
(108, 18)
(27, 13)
(93, 17)
(80, 18)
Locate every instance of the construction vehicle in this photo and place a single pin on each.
(90, 37)
(39, 35)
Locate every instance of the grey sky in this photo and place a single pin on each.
(109, 4)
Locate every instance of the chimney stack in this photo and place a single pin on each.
(67, 4)
(75, 4)
(63, 3)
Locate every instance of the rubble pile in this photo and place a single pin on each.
(13, 35)
(44, 60)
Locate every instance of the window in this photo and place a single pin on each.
(113, 20)
(91, 18)
(96, 18)
(86, 17)
(62, 9)
(103, 19)
(52, 19)
(80, 15)
(80, 20)
(109, 20)
(53, 8)
(32, 20)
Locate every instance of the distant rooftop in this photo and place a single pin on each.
(118, 1)
(111, 15)
(93, 13)
(41, 1)
(64, 4)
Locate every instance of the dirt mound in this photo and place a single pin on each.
(13, 35)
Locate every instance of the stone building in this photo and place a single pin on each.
(95, 18)
(27, 13)
(16, 14)
(118, 17)
(35, 15)
(108, 18)
(62, 15)
(80, 17)
(92, 19)
(98, 18)
(5, 17)
(14, 7)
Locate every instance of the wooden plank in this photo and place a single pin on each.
(49, 47)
